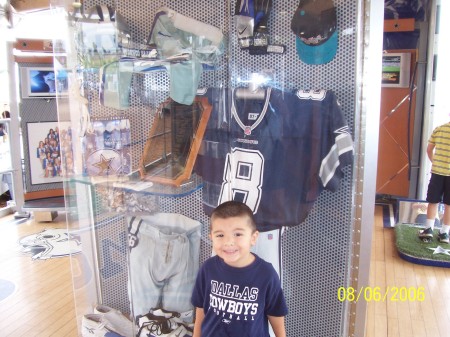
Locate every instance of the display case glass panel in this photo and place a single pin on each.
(214, 113)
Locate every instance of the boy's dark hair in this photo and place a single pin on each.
(233, 208)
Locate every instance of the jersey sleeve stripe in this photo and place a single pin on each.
(331, 162)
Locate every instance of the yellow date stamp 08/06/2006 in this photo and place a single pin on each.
(377, 294)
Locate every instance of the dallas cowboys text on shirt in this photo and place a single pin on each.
(233, 301)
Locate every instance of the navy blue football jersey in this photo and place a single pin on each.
(275, 154)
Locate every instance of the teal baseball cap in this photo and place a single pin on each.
(315, 26)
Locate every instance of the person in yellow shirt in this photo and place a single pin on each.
(438, 152)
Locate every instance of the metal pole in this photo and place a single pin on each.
(15, 133)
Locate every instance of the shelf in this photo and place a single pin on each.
(144, 66)
(398, 25)
(120, 182)
(45, 204)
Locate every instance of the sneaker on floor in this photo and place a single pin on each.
(118, 321)
(185, 316)
(93, 325)
(154, 329)
(181, 331)
(164, 313)
(443, 237)
(426, 233)
(150, 325)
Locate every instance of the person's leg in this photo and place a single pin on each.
(444, 231)
(434, 195)
(427, 233)
(443, 235)
(446, 217)
(431, 214)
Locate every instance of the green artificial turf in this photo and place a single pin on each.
(409, 243)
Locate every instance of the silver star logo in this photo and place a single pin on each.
(440, 250)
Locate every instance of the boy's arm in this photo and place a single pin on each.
(199, 315)
(277, 324)
(430, 149)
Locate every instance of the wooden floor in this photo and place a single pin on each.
(43, 304)
(427, 318)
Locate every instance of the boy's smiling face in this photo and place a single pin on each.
(232, 240)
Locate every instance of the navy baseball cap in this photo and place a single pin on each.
(314, 24)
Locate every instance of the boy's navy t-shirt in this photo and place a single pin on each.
(237, 301)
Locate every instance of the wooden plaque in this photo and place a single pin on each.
(174, 141)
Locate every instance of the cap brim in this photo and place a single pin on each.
(321, 54)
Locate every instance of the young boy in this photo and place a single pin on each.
(438, 151)
(236, 292)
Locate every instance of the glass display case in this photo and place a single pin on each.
(176, 107)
